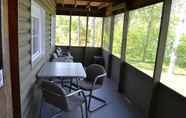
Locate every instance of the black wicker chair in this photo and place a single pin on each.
(56, 96)
(95, 78)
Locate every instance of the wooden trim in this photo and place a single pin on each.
(119, 8)
(1, 40)
(96, 0)
(102, 34)
(128, 5)
(87, 30)
(111, 33)
(124, 36)
(70, 21)
(14, 55)
(162, 39)
(110, 47)
(79, 11)
(136, 4)
(5, 91)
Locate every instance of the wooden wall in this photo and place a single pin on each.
(30, 94)
(5, 92)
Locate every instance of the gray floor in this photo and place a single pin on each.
(118, 106)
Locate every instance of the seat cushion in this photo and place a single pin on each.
(86, 85)
(74, 102)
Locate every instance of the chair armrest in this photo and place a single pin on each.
(75, 92)
(99, 76)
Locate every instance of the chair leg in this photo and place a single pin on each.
(89, 101)
(41, 107)
(98, 99)
(86, 109)
(70, 89)
(82, 114)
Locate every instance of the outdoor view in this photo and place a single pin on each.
(62, 30)
(117, 39)
(142, 40)
(174, 66)
(75, 27)
(78, 31)
(82, 34)
(94, 32)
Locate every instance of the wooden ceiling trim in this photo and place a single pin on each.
(97, 0)
(102, 5)
(75, 2)
(79, 10)
(141, 3)
(108, 7)
(119, 8)
(88, 5)
(108, 11)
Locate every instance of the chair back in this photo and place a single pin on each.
(54, 56)
(54, 95)
(93, 71)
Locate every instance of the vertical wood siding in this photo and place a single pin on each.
(6, 110)
(30, 95)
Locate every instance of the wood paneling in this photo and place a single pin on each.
(167, 103)
(30, 94)
(5, 92)
(137, 86)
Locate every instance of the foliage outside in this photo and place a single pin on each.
(62, 30)
(117, 38)
(174, 66)
(78, 31)
(94, 32)
(142, 40)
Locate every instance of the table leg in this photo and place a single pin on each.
(70, 89)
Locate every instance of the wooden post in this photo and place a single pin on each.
(14, 55)
(111, 33)
(102, 34)
(162, 39)
(70, 30)
(124, 36)
(86, 31)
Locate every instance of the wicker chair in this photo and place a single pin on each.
(56, 96)
(95, 78)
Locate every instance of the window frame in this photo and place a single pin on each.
(158, 38)
(109, 19)
(38, 12)
(53, 30)
(121, 15)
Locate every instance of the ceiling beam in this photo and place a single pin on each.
(88, 4)
(75, 2)
(109, 10)
(97, 0)
(135, 4)
(102, 5)
(79, 11)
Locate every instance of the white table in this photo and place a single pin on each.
(62, 70)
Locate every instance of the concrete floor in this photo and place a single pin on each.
(118, 106)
